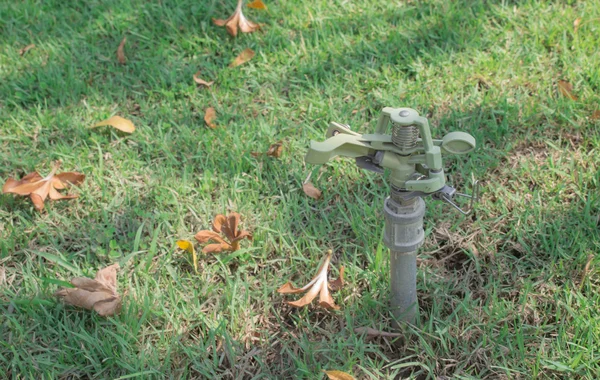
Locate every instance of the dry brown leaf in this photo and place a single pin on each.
(595, 115)
(99, 294)
(256, 4)
(121, 51)
(237, 19)
(338, 375)
(244, 57)
(209, 117)
(274, 150)
(376, 333)
(566, 89)
(227, 226)
(26, 49)
(117, 122)
(576, 24)
(318, 285)
(310, 190)
(202, 82)
(38, 188)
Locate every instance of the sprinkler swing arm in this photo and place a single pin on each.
(414, 159)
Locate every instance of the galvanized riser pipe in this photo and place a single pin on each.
(403, 235)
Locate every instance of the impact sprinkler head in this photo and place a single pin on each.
(415, 162)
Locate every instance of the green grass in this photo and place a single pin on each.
(500, 294)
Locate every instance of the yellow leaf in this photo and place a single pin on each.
(209, 117)
(338, 375)
(117, 122)
(189, 247)
(256, 4)
(244, 57)
(121, 52)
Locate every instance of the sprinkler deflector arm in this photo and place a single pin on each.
(416, 170)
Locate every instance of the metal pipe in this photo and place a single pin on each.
(403, 235)
(403, 279)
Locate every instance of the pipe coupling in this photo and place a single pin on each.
(403, 225)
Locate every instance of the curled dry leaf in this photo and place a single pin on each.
(338, 375)
(26, 49)
(244, 57)
(256, 4)
(209, 117)
(202, 82)
(121, 51)
(117, 122)
(189, 247)
(228, 227)
(274, 150)
(99, 294)
(310, 190)
(566, 89)
(318, 285)
(38, 188)
(376, 333)
(237, 19)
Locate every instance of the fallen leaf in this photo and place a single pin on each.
(121, 52)
(310, 190)
(117, 122)
(318, 285)
(256, 4)
(274, 150)
(376, 333)
(576, 24)
(227, 226)
(202, 82)
(189, 247)
(26, 49)
(244, 57)
(566, 89)
(209, 117)
(595, 115)
(237, 19)
(338, 375)
(99, 294)
(39, 188)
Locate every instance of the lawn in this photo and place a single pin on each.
(503, 294)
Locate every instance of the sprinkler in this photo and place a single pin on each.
(414, 160)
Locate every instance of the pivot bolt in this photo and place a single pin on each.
(404, 113)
